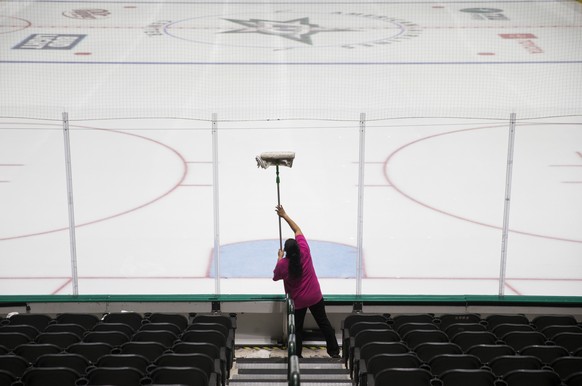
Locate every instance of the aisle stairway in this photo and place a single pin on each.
(273, 372)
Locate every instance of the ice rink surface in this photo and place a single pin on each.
(428, 86)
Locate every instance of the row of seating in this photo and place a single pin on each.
(444, 346)
(124, 348)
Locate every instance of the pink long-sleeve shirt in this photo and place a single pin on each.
(305, 291)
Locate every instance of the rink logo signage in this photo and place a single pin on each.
(156, 28)
(525, 40)
(50, 42)
(285, 30)
(485, 13)
(87, 14)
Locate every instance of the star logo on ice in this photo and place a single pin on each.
(299, 30)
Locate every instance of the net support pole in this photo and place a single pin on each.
(71, 205)
(215, 191)
(507, 205)
(360, 230)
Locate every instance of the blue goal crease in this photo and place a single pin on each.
(257, 259)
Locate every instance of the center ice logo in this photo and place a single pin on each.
(299, 30)
(287, 29)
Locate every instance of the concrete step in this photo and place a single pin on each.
(273, 371)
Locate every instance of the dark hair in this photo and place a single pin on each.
(294, 255)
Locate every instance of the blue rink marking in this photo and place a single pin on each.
(258, 258)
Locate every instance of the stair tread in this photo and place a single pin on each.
(283, 377)
(284, 371)
(285, 383)
(310, 366)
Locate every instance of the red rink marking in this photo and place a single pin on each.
(83, 53)
(486, 53)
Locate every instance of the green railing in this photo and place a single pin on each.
(560, 301)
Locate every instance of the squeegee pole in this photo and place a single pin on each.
(279, 203)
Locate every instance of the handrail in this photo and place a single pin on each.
(293, 373)
(291, 324)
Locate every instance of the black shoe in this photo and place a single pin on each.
(335, 356)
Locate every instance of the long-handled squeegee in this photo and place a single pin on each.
(276, 158)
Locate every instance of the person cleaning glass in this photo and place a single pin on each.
(295, 268)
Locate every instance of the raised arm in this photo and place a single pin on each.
(294, 227)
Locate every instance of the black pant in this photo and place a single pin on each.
(318, 312)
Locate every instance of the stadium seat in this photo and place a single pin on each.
(571, 341)
(366, 336)
(10, 340)
(505, 364)
(468, 377)
(162, 326)
(50, 376)
(543, 321)
(31, 351)
(546, 353)
(353, 318)
(135, 361)
(38, 321)
(119, 327)
(91, 351)
(113, 338)
(201, 361)
(494, 320)
(401, 319)
(380, 362)
(227, 332)
(150, 350)
(30, 331)
(368, 350)
(426, 351)
(166, 338)
(414, 338)
(133, 319)
(210, 336)
(468, 339)
(455, 328)
(567, 366)
(356, 328)
(407, 327)
(520, 339)
(445, 362)
(177, 319)
(486, 352)
(114, 376)
(574, 379)
(15, 364)
(551, 331)
(445, 320)
(228, 321)
(501, 329)
(75, 362)
(66, 327)
(217, 353)
(532, 377)
(59, 339)
(88, 321)
(7, 378)
(190, 376)
(404, 376)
